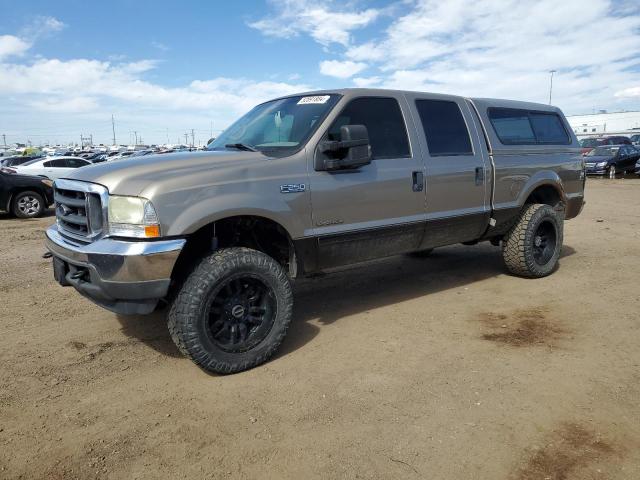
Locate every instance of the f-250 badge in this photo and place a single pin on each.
(293, 188)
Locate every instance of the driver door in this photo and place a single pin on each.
(378, 209)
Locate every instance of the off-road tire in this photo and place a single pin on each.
(519, 244)
(187, 318)
(21, 211)
(421, 253)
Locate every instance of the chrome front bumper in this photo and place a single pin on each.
(127, 277)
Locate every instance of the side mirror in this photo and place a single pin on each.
(351, 151)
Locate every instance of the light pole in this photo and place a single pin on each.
(551, 72)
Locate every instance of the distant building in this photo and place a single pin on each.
(603, 123)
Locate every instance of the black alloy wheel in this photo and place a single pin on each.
(544, 242)
(241, 313)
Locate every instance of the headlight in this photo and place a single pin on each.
(132, 217)
(601, 164)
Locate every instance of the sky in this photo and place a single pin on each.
(164, 68)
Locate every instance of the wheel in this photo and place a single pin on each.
(27, 205)
(532, 247)
(233, 311)
(612, 171)
(421, 253)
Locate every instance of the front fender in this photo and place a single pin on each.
(291, 212)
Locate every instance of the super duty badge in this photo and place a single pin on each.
(293, 188)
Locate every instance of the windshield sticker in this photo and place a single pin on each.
(313, 100)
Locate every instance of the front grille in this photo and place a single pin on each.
(79, 211)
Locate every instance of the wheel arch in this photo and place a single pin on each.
(544, 187)
(245, 230)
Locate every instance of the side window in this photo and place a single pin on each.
(76, 162)
(48, 164)
(548, 128)
(444, 128)
(512, 126)
(59, 163)
(384, 122)
(523, 127)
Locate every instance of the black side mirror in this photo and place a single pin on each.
(351, 151)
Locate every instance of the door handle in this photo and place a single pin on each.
(479, 175)
(418, 181)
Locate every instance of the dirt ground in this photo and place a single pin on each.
(437, 368)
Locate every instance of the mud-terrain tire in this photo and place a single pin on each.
(27, 204)
(233, 311)
(532, 247)
(421, 253)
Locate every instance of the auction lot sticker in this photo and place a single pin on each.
(316, 99)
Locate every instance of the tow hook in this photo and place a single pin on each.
(78, 275)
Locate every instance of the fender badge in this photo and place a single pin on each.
(293, 188)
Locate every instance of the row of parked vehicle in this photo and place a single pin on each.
(26, 181)
(612, 155)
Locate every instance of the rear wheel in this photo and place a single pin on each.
(233, 311)
(27, 205)
(532, 247)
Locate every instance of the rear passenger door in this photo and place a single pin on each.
(457, 169)
(378, 209)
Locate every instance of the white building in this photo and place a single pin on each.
(603, 123)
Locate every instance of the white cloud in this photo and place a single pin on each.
(11, 45)
(338, 69)
(326, 23)
(80, 94)
(629, 92)
(504, 48)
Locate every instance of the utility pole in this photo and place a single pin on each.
(193, 139)
(551, 84)
(113, 127)
(4, 139)
(136, 135)
(186, 141)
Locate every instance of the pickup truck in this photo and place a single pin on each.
(305, 184)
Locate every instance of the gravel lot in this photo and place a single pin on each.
(438, 368)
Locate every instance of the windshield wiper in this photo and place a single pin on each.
(241, 146)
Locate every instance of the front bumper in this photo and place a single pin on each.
(126, 277)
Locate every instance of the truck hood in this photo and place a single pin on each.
(132, 176)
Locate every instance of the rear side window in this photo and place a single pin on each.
(76, 162)
(384, 122)
(60, 163)
(444, 128)
(524, 127)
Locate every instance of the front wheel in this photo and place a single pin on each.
(27, 205)
(233, 311)
(532, 247)
(612, 171)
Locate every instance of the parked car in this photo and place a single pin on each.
(24, 196)
(16, 160)
(51, 167)
(303, 184)
(635, 139)
(589, 144)
(611, 160)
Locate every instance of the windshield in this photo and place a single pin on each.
(280, 126)
(604, 151)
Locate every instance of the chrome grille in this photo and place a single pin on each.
(80, 210)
